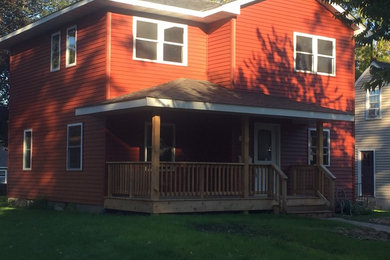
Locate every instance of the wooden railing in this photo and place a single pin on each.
(326, 185)
(268, 180)
(190, 179)
(128, 179)
(312, 180)
(195, 180)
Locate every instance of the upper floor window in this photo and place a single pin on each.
(74, 153)
(314, 54)
(313, 147)
(27, 149)
(160, 41)
(55, 51)
(71, 46)
(373, 104)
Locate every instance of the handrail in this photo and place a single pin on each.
(322, 167)
(279, 171)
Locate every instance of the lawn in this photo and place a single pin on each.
(46, 234)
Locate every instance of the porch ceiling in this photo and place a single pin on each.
(202, 95)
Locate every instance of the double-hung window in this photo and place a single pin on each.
(71, 46)
(55, 51)
(373, 104)
(159, 41)
(74, 153)
(313, 146)
(27, 149)
(314, 54)
(3, 175)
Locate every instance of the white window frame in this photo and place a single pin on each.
(68, 146)
(315, 54)
(309, 146)
(5, 174)
(67, 46)
(161, 25)
(25, 150)
(368, 94)
(52, 69)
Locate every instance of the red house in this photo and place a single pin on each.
(183, 106)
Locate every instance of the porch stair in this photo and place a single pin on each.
(308, 206)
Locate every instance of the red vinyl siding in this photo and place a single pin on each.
(128, 75)
(45, 101)
(265, 52)
(220, 51)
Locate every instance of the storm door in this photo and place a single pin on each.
(266, 151)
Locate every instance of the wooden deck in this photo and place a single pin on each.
(194, 187)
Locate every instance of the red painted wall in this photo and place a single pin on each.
(45, 101)
(128, 75)
(265, 58)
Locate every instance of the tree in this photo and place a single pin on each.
(375, 16)
(15, 14)
(365, 54)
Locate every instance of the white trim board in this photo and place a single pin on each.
(206, 106)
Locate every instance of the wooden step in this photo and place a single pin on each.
(308, 206)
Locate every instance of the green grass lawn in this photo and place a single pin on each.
(46, 234)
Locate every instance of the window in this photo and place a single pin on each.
(3, 175)
(71, 46)
(27, 149)
(314, 54)
(160, 41)
(74, 147)
(167, 142)
(55, 51)
(313, 146)
(373, 104)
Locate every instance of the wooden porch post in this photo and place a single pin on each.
(155, 177)
(245, 153)
(320, 143)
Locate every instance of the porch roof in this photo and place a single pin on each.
(203, 95)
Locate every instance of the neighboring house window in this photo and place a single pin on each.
(27, 149)
(3, 175)
(314, 54)
(373, 104)
(55, 51)
(71, 46)
(74, 154)
(313, 146)
(167, 142)
(160, 41)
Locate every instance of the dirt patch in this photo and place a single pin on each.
(364, 234)
(382, 221)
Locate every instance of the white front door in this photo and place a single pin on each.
(266, 151)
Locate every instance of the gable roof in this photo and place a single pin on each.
(203, 95)
(366, 76)
(204, 11)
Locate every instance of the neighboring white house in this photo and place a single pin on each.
(372, 137)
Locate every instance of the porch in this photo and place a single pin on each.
(202, 187)
(193, 146)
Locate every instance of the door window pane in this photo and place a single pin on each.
(264, 145)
